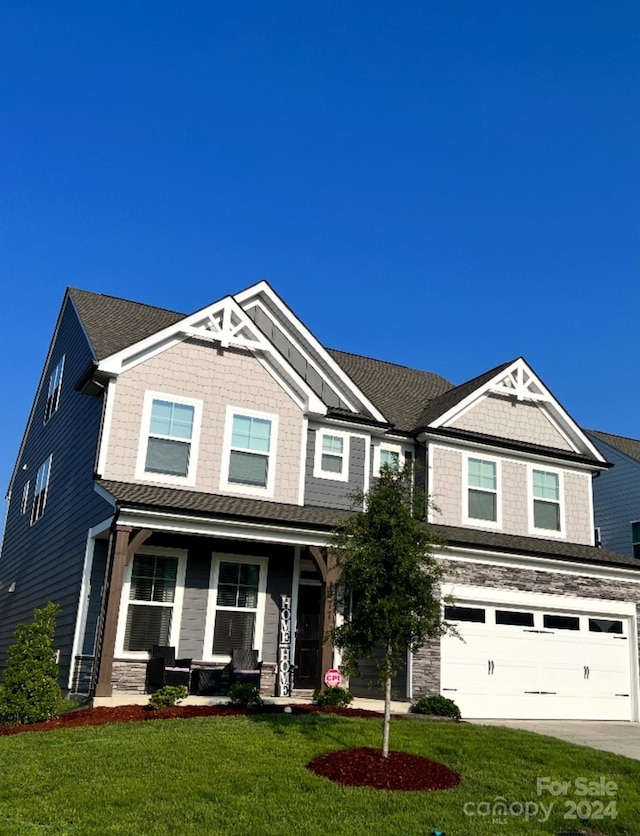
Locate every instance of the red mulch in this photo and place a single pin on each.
(135, 713)
(367, 768)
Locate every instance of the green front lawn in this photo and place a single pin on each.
(246, 775)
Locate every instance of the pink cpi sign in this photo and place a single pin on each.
(332, 678)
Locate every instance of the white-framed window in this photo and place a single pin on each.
(151, 604)
(248, 456)
(331, 460)
(53, 393)
(169, 436)
(24, 502)
(237, 597)
(546, 507)
(394, 455)
(41, 490)
(481, 501)
(635, 538)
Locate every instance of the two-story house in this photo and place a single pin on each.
(179, 478)
(616, 494)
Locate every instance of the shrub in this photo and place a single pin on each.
(333, 696)
(167, 696)
(438, 706)
(30, 690)
(244, 695)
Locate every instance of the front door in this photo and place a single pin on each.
(308, 637)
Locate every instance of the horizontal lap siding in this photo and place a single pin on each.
(46, 560)
(616, 495)
(329, 493)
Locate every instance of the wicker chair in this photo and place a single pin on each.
(245, 667)
(164, 669)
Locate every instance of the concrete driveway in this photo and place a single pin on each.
(619, 738)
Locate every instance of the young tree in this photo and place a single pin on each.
(389, 579)
(30, 690)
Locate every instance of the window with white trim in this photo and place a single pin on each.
(169, 435)
(41, 490)
(24, 504)
(482, 490)
(331, 459)
(546, 500)
(239, 588)
(635, 538)
(53, 393)
(250, 450)
(151, 602)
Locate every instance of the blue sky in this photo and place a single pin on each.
(446, 185)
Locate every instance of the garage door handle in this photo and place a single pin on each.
(548, 692)
(449, 689)
(490, 667)
(586, 672)
(622, 695)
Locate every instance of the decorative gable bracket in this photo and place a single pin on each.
(519, 381)
(228, 325)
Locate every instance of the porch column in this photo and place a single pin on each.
(123, 551)
(327, 564)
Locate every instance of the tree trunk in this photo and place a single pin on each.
(387, 717)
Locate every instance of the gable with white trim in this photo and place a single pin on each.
(516, 406)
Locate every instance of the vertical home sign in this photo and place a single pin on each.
(285, 667)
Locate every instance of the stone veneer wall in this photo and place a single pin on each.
(128, 677)
(426, 662)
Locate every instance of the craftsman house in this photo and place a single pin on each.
(179, 477)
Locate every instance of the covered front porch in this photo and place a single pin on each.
(206, 588)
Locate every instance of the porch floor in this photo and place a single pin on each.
(143, 699)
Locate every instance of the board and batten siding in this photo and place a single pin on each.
(45, 561)
(616, 499)
(331, 493)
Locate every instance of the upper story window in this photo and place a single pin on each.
(331, 459)
(25, 498)
(482, 490)
(249, 452)
(41, 490)
(394, 456)
(635, 538)
(53, 394)
(390, 458)
(547, 511)
(153, 594)
(170, 427)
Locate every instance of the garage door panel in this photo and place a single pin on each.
(565, 666)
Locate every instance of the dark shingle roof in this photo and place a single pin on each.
(515, 544)
(399, 392)
(438, 406)
(324, 519)
(628, 446)
(112, 324)
(199, 503)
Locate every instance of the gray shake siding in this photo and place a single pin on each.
(327, 493)
(616, 499)
(46, 560)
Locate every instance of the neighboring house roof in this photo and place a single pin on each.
(399, 392)
(112, 324)
(628, 446)
(197, 503)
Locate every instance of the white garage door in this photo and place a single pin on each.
(536, 663)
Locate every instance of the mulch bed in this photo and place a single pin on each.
(400, 771)
(363, 767)
(103, 715)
